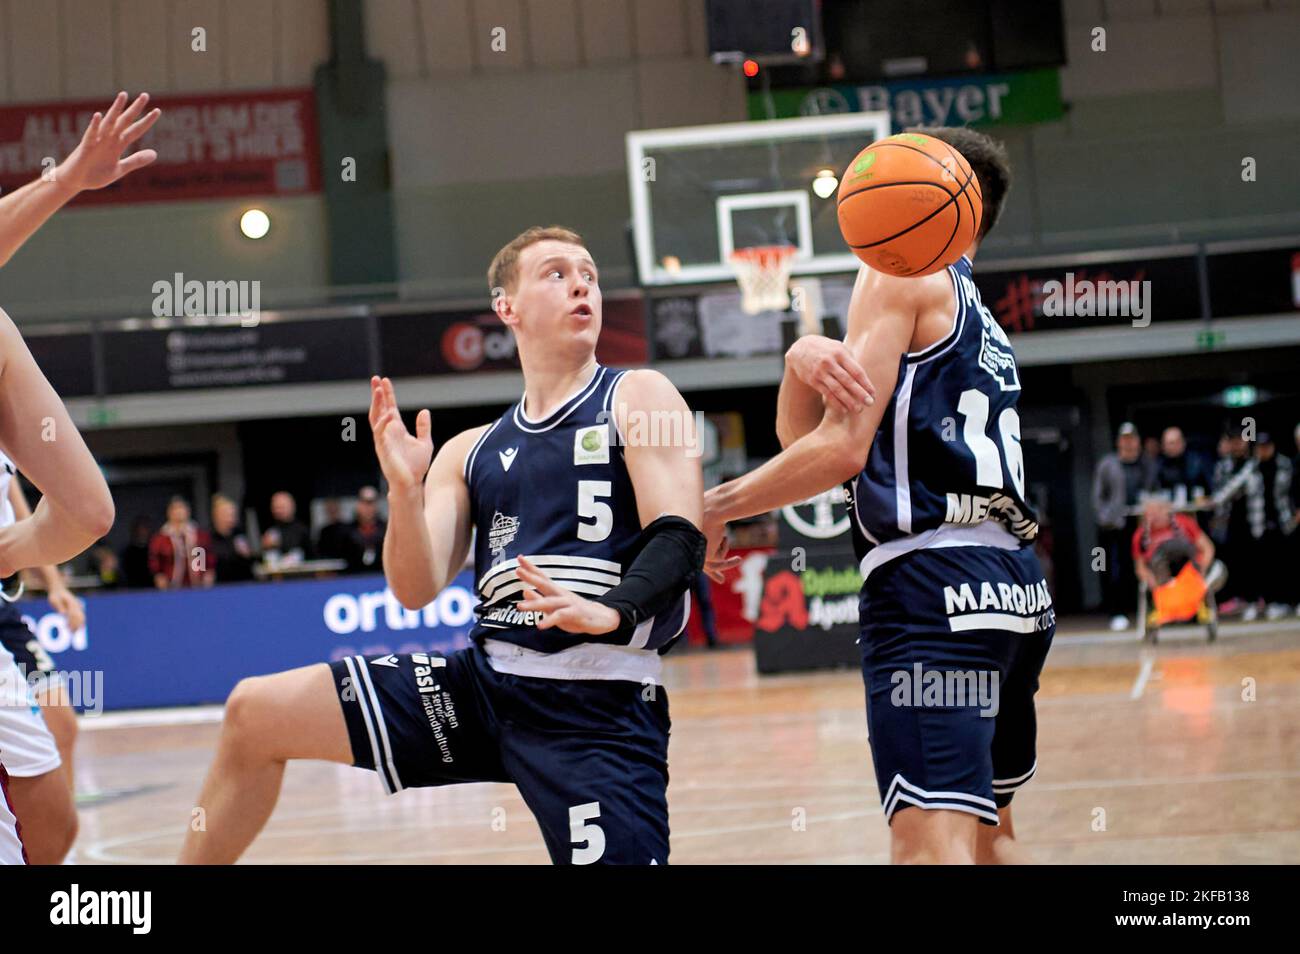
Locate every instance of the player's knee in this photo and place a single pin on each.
(248, 711)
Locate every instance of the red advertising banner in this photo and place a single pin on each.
(216, 146)
(452, 342)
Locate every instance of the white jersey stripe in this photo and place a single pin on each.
(561, 576)
(473, 451)
(577, 586)
(381, 724)
(547, 560)
(359, 689)
(902, 481)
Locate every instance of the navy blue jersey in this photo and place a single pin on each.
(557, 491)
(947, 453)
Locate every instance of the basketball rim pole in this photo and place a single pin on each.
(737, 60)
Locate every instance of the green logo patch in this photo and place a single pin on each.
(591, 441)
(864, 163)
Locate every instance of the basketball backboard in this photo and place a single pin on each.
(700, 192)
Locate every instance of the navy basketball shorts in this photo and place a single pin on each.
(20, 642)
(590, 757)
(953, 641)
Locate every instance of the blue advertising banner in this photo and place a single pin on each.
(147, 649)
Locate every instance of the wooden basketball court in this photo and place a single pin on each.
(1145, 756)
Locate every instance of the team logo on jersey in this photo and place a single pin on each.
(507, 457)
(502, 533)
(996, 356)
(591, 445)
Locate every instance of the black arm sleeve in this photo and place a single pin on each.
(671, 553)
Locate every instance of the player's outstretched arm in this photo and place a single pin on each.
(820, 371)
(96, 162)
(428, 505)
(883, 309)
(76, 508)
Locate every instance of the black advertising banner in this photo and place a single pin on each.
(1264, 282)
(454, 342)
(444, 342)
(808, 618)
(68, 361)
(220, 356)
(675, 327)
(1125, 293)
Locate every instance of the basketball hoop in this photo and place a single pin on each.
(763, 273)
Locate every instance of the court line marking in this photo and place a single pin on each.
(1139, 684)
(104, 850)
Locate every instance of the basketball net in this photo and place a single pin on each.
(763, 273)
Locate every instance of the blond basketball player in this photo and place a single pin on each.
(584, 549)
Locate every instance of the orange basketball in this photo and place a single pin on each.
(909, 205)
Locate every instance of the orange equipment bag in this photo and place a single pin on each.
(1179, 599)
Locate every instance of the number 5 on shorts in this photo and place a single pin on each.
(591, 835)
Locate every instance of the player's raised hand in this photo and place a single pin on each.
(829, 368)
(97, 161)
(404, 457)
(561, 608)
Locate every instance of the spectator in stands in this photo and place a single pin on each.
(287, 538)
(180, 554)
(367, 543)
(1179, 474)
(135, 555)
(232, 547)
(1166, 541)
(1239, 523)
(1116, 485)
(1151, 452)
(105, 566)
(334, 542)
(1276, 571)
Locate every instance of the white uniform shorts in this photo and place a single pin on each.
(27, 748)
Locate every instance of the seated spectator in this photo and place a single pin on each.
(233, 550)
(105, 566)
(366, 545)
(287, 538)
(180, 554)
(334, 542)
(1165, 542)
(135, 555)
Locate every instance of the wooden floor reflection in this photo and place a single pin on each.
(1186, 753)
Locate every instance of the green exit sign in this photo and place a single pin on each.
(1240, 395)
(1209, 340)
(101, 416)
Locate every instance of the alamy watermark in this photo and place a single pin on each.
(180, 298)
(640, 428)
(1086, 298)
(83, 689)
(946, 689)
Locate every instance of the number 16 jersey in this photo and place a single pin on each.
(945, 468)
